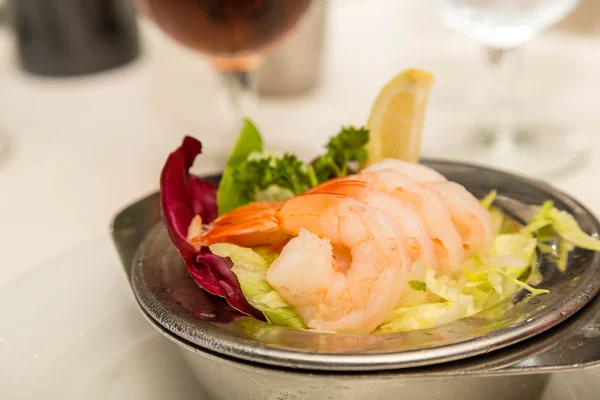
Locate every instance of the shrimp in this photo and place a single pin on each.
(473, 222)
(252, 225)
(431, 208)
(420, 245)
(353, 296)
(443, 222)
(257, 225)
(416, 172)
(242, 212)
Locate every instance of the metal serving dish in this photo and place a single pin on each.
(238, 357)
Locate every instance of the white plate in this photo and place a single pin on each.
(69, 329)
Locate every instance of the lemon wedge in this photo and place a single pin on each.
(396, 121)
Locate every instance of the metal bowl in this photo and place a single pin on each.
(239, 357)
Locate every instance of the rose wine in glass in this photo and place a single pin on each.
(233, 34)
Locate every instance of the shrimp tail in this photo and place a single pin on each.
(249, 211)
(250, 226)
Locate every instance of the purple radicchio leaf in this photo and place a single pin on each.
(182, 197)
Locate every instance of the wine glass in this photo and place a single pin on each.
(500, 138)
(234, 35)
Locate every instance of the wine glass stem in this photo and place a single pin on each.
(500, 128)
(240, 93)
(239, 86)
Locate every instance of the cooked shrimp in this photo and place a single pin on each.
(456, 223)
(252, 225)
(472, 220)
(431, 208)
(243, 212)
(416, 172)
(419, 243)
(352, 297)
(258, 225)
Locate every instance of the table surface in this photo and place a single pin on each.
(81, 149)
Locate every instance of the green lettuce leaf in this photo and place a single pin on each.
(250, 267)
(483, 283)
(519, 246)
(228, 196)
(567, 228)
(540, 220)
(268, 255)
(252, 173)
(503, 223)
(416, 317)
(488, 200)
(562, 258)
(549, 223)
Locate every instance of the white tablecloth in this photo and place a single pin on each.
(81, 149)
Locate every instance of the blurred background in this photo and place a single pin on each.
(94, 94)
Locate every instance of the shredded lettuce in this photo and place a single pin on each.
(250, 267)
(503, 223)
(415, 317)
(495, 277)
(519, 246)
(567, 228)
(268, 255)
(488, 200)
(413, 297)
(497, 219)
(487, 281)
(550, 223)
(540, 220)
(562, 258)
(483, 283)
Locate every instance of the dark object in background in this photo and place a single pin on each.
(74, 37)
(3, 13)
(295, 67)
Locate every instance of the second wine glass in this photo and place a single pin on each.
(500, 137)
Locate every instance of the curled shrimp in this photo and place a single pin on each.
(343, 263)
(431, 208)
(443, 222)
(473, 222)
(420, 245)
(345, 270)
(258, 225)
